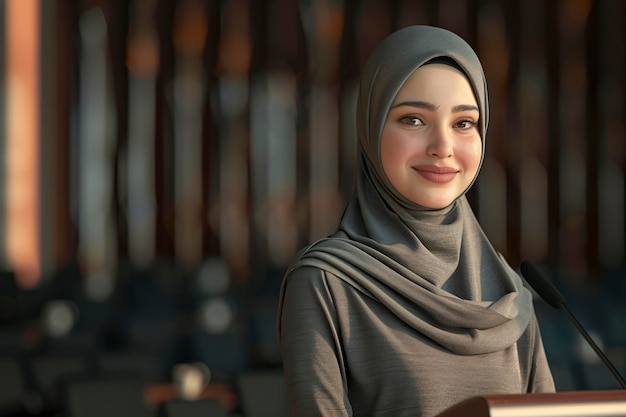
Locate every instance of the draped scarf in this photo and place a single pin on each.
(434, 269)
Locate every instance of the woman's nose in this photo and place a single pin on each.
(440, 144)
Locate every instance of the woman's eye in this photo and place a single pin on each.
(411, 121)
(466, 124)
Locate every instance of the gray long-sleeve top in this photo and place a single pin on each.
(345, 354)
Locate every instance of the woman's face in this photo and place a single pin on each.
(431, 145)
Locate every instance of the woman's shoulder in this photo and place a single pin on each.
(308, 272)
(305, 272)
(331, 240)
(317, 245)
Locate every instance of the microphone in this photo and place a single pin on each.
(551, 295)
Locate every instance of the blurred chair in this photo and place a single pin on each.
(143, 366)
(106, 398)
(12, 385)
(263, 393)
(49, 372)
(191, 408)
(225, 354)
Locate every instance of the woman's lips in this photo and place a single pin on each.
(438, 175)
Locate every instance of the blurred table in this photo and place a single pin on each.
(223, 393)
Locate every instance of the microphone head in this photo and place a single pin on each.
(546, 290)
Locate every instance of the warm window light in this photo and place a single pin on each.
(22, 139)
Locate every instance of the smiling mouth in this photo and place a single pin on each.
(437, 175)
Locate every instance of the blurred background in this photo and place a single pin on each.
(163, 160)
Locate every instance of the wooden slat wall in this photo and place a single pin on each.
(553, 186)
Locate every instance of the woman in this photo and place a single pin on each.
(407, 309)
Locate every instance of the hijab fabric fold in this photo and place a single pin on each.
(433, 269)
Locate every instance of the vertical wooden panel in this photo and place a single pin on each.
(617, 144)
(593, 135)
(164, 191)
(414, 12)
(573, 149)
(452, 16)
(348, 87)
(94, 150)
(304, 84)
(116, 14)
(512, 137)
(533, 135)
(189, 36)
(139, 199)
(282, 69)
(553, 63)
(210, 142)
(58, 92)
(493, 192)
(610, 145)
(259, 135)
(233, 211)
(324, 37)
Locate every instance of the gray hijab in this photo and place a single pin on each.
(433, 269)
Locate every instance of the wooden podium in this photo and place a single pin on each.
(607, 403)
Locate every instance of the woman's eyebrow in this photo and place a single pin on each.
(419, 104)
(464, 107)
(432, 107)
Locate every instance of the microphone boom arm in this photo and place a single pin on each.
(551, 295)
(595, 347)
